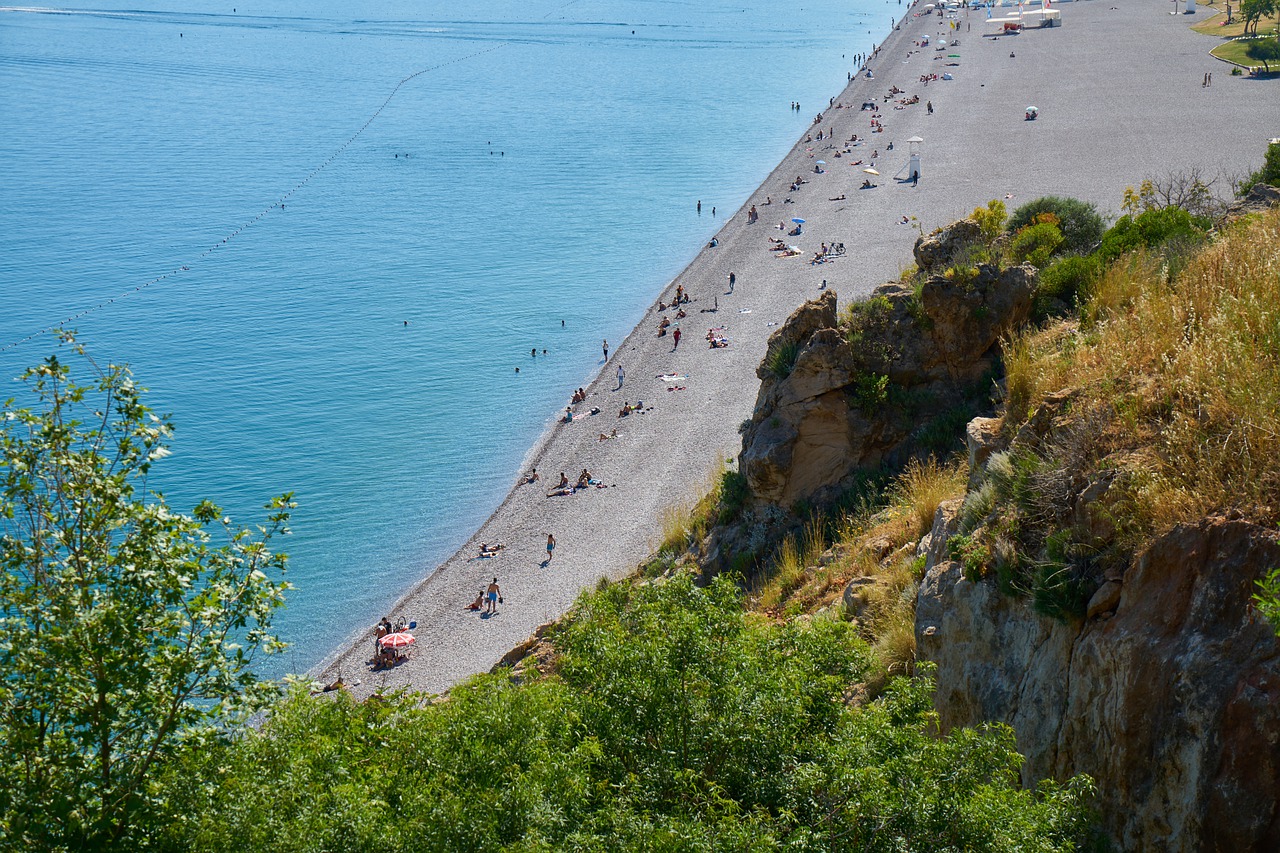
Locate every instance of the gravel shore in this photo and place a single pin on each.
(1120, 92)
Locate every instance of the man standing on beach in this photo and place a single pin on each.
(733, 279)
(492, 595)
(675, 336)
(605, 345)
(621, 375)
(551, 547)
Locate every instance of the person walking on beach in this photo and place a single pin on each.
(493, 597)
(733, 279)
(605, 346)
(621, 376)
(551, 547)
(675, 337)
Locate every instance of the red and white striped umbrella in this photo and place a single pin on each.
(398, 641)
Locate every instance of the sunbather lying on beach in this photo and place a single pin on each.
(604, 437)
(840, 197)
(487, 550)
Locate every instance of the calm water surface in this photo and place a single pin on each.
(544, 169)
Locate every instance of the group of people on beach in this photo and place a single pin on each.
(488, 599)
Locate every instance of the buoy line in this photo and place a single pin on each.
(279, 204)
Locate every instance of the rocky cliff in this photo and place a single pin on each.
(1167, 693)
(842, 395)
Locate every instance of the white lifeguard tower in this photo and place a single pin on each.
(911, 171)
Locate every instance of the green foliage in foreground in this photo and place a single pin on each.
(678, 722)
(127, 630)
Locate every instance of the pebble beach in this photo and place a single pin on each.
(1120, 97)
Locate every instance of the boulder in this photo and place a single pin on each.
(937, 250)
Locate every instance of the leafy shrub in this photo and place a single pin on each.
(990, 219)
(675, 722)
(1064, 281)
(1079, 222)
(1151, 228)
(1269, 173)
(781, 358)
(869, 392)
(734, 492)
(1034, 244)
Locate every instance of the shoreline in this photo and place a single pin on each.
(665, 452)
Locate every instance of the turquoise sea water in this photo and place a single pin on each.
(545, 168)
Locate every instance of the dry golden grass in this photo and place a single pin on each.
(1186, 370)
(924, 485)
(687, 521)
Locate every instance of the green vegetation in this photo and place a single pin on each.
(127, 630)
(1078, 221)
(991, 220)
(1152, 228)
(1063, 283)
(1267, 599)
(1035, 243)
(676, 721)
(1175, 375)
(1269, 173)
(1253, 12)
(781, 358)
(1265, 50)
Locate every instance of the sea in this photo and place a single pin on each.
(329, 237)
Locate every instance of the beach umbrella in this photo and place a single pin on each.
(401, 640)
(798, 221)
(871, 171)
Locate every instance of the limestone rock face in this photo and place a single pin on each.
(1167, 693)
(939, 249)
(823, 417)
(1260, 197)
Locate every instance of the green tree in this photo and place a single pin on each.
(677, 722)
(127, 630)
(1253, 11)
(1266, 51)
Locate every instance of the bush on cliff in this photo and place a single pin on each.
(1034, 244)
(1172, 380)
(1152, 228)
(677, 721)
(1079, 221)
(1269, 173)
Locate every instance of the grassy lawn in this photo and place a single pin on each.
(1214, 26)
(1233, 51)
